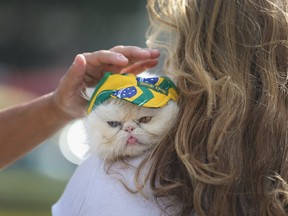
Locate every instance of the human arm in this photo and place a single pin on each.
(24, 126)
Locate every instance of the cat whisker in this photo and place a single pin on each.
(118, 150)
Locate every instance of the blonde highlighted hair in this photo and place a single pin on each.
(227, 154)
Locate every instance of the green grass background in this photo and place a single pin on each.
(28, 193)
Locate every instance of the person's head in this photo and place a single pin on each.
(227, 153)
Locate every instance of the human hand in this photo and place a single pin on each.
(88, 68)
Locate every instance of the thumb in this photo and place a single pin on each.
(76, 72)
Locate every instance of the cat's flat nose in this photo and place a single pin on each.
(129, 129)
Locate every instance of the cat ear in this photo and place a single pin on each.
(87, 93)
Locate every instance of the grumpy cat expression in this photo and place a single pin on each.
(118, 128)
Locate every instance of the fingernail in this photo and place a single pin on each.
(121, 57)
(145, 51)
(75, 59)
(155, 50)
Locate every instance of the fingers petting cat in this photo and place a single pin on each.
(119, 59)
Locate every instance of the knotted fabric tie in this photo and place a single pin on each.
(152, 92)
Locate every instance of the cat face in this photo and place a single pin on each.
(118, 128)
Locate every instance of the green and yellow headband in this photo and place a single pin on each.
(153, 92)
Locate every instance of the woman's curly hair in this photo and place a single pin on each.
(227, 154)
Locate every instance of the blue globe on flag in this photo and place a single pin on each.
(152, 80)
(125, 93)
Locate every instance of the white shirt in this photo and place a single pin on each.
(91, 191)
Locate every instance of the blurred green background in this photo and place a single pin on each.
(38, 42)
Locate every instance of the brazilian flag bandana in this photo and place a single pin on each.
(153, 92)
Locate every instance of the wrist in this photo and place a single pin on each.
(57, 111)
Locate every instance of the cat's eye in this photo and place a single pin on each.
(114, 123)
(145, 119)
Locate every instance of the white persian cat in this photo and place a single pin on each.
(117, 129)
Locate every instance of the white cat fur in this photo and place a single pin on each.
(109, 143)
